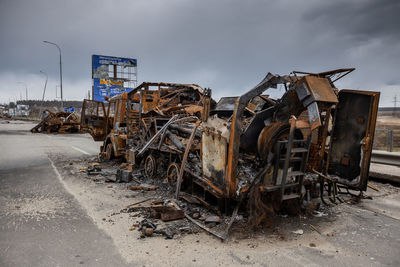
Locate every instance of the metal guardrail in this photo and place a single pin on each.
(384, 157)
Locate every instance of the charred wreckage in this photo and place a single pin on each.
(315, 141)
(58, 122)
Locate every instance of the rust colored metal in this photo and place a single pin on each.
(185, 156)
(58, 122)
(267, 151)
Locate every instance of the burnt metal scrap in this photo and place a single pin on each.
(58, 122)
(315, 141)
(152, 117)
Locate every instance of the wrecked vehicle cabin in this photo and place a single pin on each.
(152, 118)
(315, 141)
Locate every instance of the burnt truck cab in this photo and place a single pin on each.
(106, 122)
(315, 133)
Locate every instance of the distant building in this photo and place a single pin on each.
(22, 110)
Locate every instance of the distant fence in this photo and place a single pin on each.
(387, 139)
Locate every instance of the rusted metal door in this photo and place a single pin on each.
(352, 137)
(94, 119)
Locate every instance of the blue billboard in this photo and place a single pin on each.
(112, 76)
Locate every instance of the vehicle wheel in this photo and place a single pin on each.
(172, 173)
(150, 166)
(109, 151)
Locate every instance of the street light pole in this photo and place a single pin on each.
(44, 91)
(26, 90)
(59, 49)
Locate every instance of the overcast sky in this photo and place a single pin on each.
(227, 45)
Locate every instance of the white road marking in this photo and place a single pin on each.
(80, 150)
(55, 170)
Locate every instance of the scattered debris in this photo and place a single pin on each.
(298, 232)
(140, 202)
(166, 211)
(213, 219)
(144, 187)
(317, 213)
(373, 187)
(315, 229)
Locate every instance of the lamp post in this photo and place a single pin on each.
(26, 90)
(59, 49)
(44, 91)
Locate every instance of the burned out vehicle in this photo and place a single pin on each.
(127, 122)
(58, 122)
(312, 142)
(315, 139)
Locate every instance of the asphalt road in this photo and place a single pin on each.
(41, 224)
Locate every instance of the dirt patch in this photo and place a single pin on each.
(105, 204)
(35, 207)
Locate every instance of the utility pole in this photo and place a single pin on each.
(26, 90)
(44, 91)
(395, 101)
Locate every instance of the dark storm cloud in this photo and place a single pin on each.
(226, 45)
(362, 20)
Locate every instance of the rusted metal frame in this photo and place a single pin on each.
(176, 92)
(185, 156)
(83, 113)
(328, 156)
(268, 100)
(304, 163)
(341, 76)
(146, 128)
(211, 231)
(175, 140)
(323, 175)
(169, 100)
(370, 125)
(206, 184)
(287, 156)
(332, 185)
(151, 141)
(327, 73)
(206, 101)
(276, 164)
(324, 135)
(106, 118)
(140, 109)
(233, 217)
(175, 121)
(234, 140)
(162, 139)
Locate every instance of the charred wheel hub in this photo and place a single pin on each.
(150, 166)
(172, 173)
